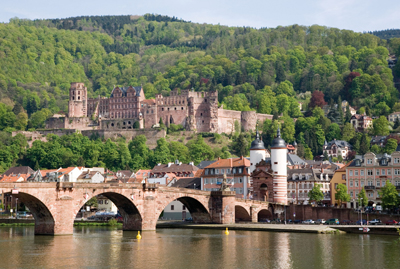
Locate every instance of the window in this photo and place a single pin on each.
(183, 207)
(222, 171)
(205, 181)
(378, 183)
(351, 194)
(383, 183)
(396, 160)
(389, 171)
(397, 183)
(356, 183)
(383, 172)
(369, 161)
(362, 183)
(351, 183)
(351, 173)
(370, 183)
(370, 194)
(206, 171)
(361, 172)
(240, 170)
(369, 172)
(240, 180)
(356, 172)
(397, 171)
(216, 171)
(234, 171)
(343, 176)
(172, 207)
(377, 172)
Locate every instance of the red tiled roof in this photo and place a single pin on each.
(233, 162)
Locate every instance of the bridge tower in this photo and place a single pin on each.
(279, 168)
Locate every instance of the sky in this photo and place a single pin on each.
(356, 15)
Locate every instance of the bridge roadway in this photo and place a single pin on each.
(54, 205)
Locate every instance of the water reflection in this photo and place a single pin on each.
(112, 248)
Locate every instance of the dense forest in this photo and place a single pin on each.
(268, 70)
(387, 34)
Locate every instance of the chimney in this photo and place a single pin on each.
(231, 162)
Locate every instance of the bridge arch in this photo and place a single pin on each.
(264, 214)
(44, 219)
(241, 214)
(198, 211)
(132, 218)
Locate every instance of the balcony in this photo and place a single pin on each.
(369, 187)
(398, 187)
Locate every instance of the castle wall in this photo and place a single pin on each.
(262, 117)
(56, 123)
(226, 120)
(150, 115)
(249, 120)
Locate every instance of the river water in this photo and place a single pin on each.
(93, 247)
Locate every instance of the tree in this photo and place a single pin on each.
(348, 114)
(381, 126)
(341, 194)
(317, 99)
(362, 198)
(316, 194)
(240, 145)
(341, 117)
(391, 145)
(308, 153)
(333, 132)
(21, 121)
(364, 144)
(390, 196)
(326, 157)
(348, 132)
(92, 202)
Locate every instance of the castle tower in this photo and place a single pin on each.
(257, 152)
(77, 104)
(279, 168)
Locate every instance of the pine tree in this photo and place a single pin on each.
(341, 117)
(36, 166)
(364, 144)
(348, 114)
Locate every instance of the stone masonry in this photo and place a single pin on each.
(55, 205)
(196, 111)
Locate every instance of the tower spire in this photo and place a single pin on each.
(279, 132)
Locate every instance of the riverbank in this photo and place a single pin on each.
(296, 228)
(320, 229)
(31, 222)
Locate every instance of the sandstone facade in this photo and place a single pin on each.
(196, 111)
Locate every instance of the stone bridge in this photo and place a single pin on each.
(55, 205)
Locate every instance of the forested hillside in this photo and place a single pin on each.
(268, 70)
(387, 34)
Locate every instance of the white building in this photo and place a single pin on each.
(257, 152)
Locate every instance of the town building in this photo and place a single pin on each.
(269, 179)
(237, 171)
(257, 152)
(177, 169)
(361, 122)
(336, 148)
(127, 108)
(339, 177)
(371, 172)
(344, 108)
(90, 177)
(392, 117)
(301, 181)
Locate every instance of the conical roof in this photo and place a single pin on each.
(278, 142)
(257, 143)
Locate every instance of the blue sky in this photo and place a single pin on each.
(357, 15)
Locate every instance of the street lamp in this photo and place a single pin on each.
(361, 199)
(16, 208)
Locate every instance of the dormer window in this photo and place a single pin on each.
(358, 163)
(383, 162)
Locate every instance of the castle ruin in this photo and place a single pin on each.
(127, 108)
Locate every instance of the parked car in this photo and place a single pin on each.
(364, 222)
(189, 219)
(289, 221)
(320, 221)
(346, 222)
(308, 221)
(375, 221)
(391, 222)
(332, 221)
(297, 221)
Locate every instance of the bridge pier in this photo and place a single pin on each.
(223, 207)
(254, 213)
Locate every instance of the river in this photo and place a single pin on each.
(94, 247)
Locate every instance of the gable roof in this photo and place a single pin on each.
(188, 183)
(293, 159)
(19, 170)
(339, 144)
(137, 89)
(174, 168)
(231, 162)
